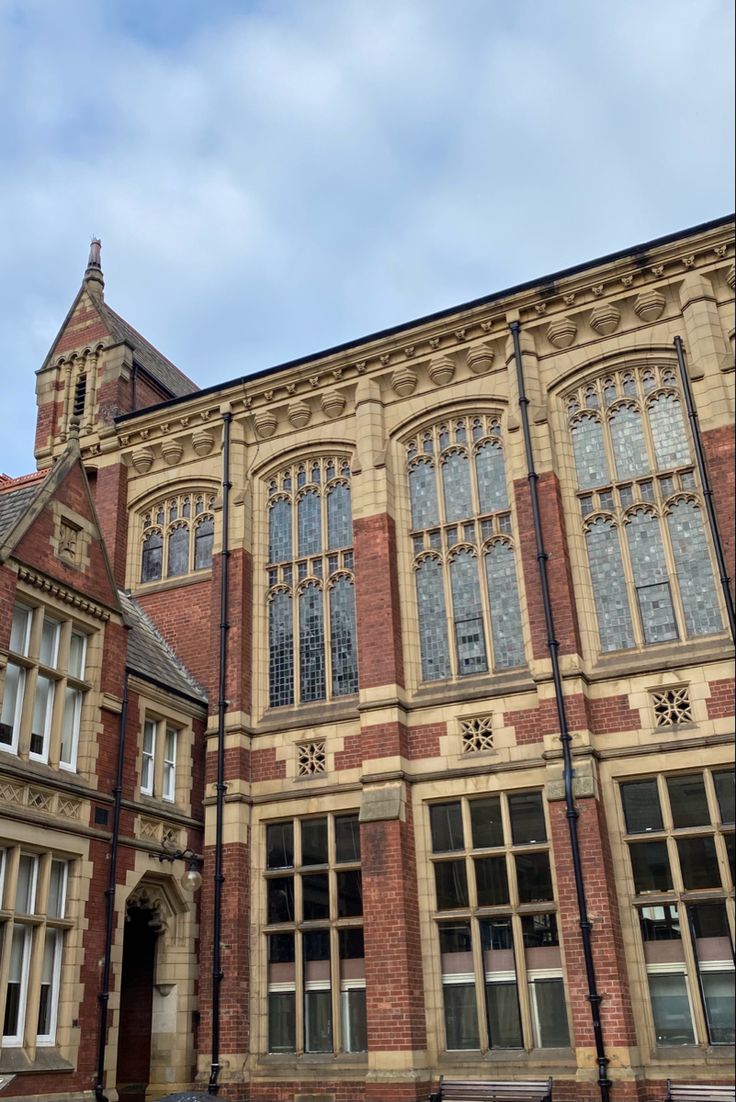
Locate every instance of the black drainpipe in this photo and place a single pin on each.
(104, 995)
(217, 974)
(707, 492)
(604, 1083)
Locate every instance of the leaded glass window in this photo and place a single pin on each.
(641, 506)
(178, 536)
(311, 589)
(464, 557)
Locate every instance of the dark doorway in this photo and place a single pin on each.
(136, 1005)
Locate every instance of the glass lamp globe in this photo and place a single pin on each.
(191, 881)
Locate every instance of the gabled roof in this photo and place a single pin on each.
(150, 656)
(16, 497)
(150, 359)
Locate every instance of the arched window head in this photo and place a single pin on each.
(178, 536)
(649, 556)
(311, 597)
(464, 558)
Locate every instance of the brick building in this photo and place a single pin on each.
(359, 632)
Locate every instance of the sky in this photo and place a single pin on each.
(274, 177)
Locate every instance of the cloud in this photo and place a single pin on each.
(272, 178)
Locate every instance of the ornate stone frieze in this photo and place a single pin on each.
(62, 594)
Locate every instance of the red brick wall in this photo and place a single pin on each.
(182, 615)
(240, 631)
(721, 702)
(718, 445)
(380, 659)
(111, 501)
(382, 740)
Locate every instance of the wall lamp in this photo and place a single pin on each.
(191, 881)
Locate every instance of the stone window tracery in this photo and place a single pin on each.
(178, 535)
(464, 560)
(311, 594)
(648, 552)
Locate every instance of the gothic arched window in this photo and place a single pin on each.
(311, 595)
(464, 561)
(648, 552)
(178, 534)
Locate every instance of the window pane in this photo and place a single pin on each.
(423, 493)
(456, 486)
(698, 863)
(489, 466)
(25, 895)
(77, 654)
(20, 630)
(651, 867)
(627, 437)
(311, 644)
(446, 823)
(660, 924)
(279, 531)
(609, 586)
(354, 1023)
(12, 702)
(281, 651)
(204, 536)
(534, 877)
(17, 982)
(314, 842)
(485, 819)
(343, 643)
(503, 593)
(432, 620)
(317, 999)
(724, 783)
(694, 570)
(452, 885)
(57, 890)
(539, 931)
(339, 517)
(152, 557)
(309, 524)
(461, 1016)
(347, 838)
(315, 896)
(688, 801)
(549, 1013)
(281, 1021)
(178, 557)
(527, 818)
(49, 650)
(280, 892)
(590, 456)
(668, 432)
(671, 1010)
(349, 894)
(718, 993)
(504, 1024)
(650, 577)
(641, 806)
(49, 984)
(279, 845)
(469, 635)
(491, 881)
(41, 723)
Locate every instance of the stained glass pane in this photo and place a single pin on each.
(309, 523)
(650, 578)
(339, 517)
(203, 538)
(489, 466)
(503, 592)
(590, 455)
(694, 572)
(178, 557)
(423, 491)
(456, 486)
(342, 630)
(668, 432)
(279, 531)
(609, 587)
(311, 644)
(281, 650)
(466, 601)
(151, 560)
(629, 448)
(432, 621)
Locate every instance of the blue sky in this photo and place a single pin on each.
(271, 178)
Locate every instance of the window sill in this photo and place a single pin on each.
(552, 1057)
(662, 656)
(479, 686)
(308, 715)
(15, 1061)
(703, 1055)
(140, 589)
(318, 1060)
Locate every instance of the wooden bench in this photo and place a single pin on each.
(474, 1090)
(699, 1092)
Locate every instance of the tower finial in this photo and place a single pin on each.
(93, 276)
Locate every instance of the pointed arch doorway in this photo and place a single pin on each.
(143, 925)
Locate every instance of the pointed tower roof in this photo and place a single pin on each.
(93, 278)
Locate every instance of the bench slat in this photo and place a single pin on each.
(700, 1092)
(474, 1090)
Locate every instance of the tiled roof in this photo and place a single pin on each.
(150, 655)
(16, 497)
(150, 359)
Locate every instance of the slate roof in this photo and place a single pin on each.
(16, 497)
(151, 656)
(150, 359)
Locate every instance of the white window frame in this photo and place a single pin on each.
(148, 758)
(46, 1039)
(168, 777)
(158, 773)
(15, 1040)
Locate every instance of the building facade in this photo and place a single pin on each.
(295, 625)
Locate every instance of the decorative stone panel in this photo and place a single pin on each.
(671, 707)
(649, 305)
(441, 370)
(477, 734)
(480, 359)
(311, 758)
(605, 319)
(562, 333)
(404, 382)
